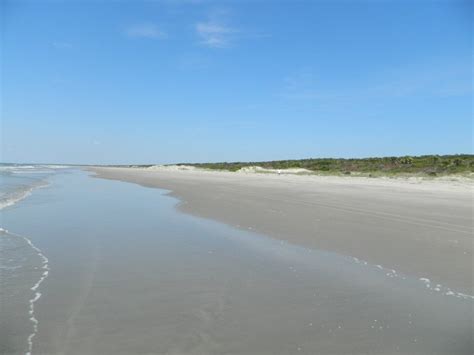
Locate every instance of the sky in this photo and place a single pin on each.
(168, 81)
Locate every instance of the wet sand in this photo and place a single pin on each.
(422, 229)
(130, 274)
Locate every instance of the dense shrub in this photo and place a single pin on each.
(426, 164)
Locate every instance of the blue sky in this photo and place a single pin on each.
(193, 80)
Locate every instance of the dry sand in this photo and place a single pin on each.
(419, 228)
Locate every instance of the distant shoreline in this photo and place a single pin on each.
(428, 166)
(424, 166)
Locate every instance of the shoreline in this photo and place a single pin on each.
(420, 228)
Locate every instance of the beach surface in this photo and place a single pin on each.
(421, 228)
(97, 266)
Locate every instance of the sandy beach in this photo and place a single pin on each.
(99, 266)
(418, 228)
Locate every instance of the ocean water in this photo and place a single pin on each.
(91, 266)
(23, 267)
(18, 181)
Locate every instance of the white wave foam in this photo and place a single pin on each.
(15, 167)
(44, 275)
(57, 166)
(35, 287)
(32, 172)
(31, 168)
(14, 198)
(427, 282)
(19, 195)
(445, 290)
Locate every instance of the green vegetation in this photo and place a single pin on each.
(430, 165)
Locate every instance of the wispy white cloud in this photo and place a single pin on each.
(145, 30)
(216, 31)
(215, 35)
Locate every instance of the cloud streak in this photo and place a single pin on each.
(215, 35)
(145, 30)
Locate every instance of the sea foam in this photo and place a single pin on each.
(425, 281)
(35, 288)
(16, 196)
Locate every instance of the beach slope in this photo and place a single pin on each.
(419, 228)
